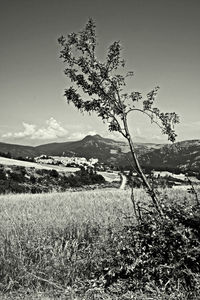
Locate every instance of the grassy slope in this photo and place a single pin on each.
(36, 226)
(109, 177)
(15, 162)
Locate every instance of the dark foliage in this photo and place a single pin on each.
(7, 154)
(53, 173)
(21, 180)
(2, 174)
(162, 252)
(134, 181)
(82, 178)
(17, 177)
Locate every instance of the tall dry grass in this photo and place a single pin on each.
(56, 241)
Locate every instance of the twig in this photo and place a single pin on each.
(193, 190)
(139, 212)
(47, 281)
(133, 202)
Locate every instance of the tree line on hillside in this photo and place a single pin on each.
(9, 155)
(6, 154)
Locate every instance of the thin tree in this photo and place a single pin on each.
(103, 84)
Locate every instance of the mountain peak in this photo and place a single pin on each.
(92, 137)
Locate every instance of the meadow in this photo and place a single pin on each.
(27, 164)
(67, 245)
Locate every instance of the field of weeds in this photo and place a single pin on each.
(62, 245)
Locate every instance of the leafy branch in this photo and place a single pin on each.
(99, 87)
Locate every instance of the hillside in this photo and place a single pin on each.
(18, 150)
(106, 150)
(183, 155)
(15, 178)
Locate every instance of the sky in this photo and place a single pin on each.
(161, 44)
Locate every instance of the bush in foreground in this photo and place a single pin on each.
(159, 254)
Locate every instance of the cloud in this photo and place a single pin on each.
(138, 132)
(52, 130)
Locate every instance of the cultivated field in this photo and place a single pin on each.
(110, 176)
(52, 245)
(27, 164)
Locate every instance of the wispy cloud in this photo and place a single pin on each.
(52, 130)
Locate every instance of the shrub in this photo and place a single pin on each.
(18, 177)
(2, 174)
(36, 190)
(3, 188)
(53, 173)
(7, 155)
(42, 172)
(20, 169)
(88, 176)
(15, 187)
(32, 179)
(134, 181)
(157, 252)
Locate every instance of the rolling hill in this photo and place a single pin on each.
(183, 155)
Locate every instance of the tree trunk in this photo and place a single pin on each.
(150, 190)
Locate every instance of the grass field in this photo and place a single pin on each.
(51, 244)
(27, 164)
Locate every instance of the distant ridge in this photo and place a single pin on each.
(18, 150)
(185, 154)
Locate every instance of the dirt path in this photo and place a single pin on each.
(124, 180)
